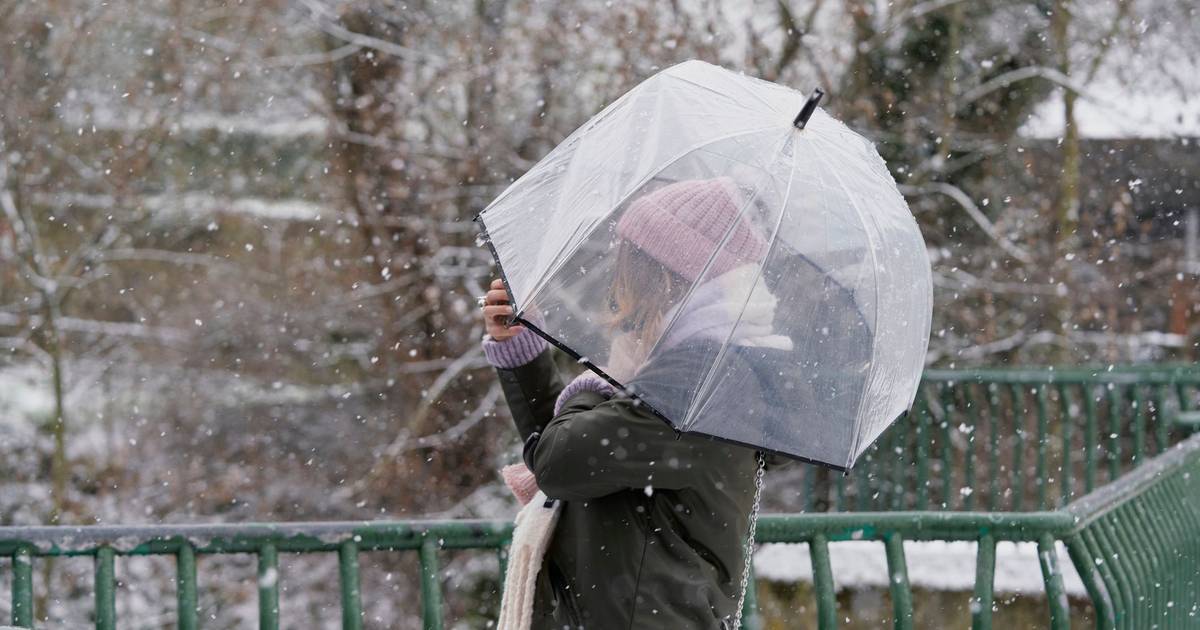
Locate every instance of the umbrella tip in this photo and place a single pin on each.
(810, 106)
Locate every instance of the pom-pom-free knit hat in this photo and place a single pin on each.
(682, 224)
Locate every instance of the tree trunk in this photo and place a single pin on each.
(1066, 210)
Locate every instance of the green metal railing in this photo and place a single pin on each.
(267, 541)
(1135, 544)
(1014, 439)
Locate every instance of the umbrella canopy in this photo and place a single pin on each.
(696, 247)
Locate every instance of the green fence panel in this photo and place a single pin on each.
(1023, 425)
(1138, 539)
(1134, 541)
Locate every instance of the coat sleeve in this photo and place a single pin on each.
(596, 447)
(530, 391)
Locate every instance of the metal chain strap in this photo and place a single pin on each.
(758, 486)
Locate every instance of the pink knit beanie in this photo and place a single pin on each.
(681, 226)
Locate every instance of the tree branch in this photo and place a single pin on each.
(973, 211)
(1022, 74)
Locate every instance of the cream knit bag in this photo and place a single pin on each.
(531, 537)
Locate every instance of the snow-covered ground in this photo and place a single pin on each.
(944, 566)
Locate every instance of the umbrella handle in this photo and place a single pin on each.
(810, 106)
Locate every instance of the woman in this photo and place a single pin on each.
(652, 527)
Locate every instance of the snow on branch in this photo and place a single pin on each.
(973, 211)
(1021, 74)
(327, 21)
(182, 259)
(98, 327)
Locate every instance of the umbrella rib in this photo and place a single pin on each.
(874, 337)
(561, 258)
(757, 276)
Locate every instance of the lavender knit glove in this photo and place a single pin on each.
(586, 382)
(515, 351)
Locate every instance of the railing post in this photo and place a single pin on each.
(862, 480)
(22, 588)
(1091, 440)
(431, 587)
(105, 576)
(1139, 426)
(993, 396)
(921, 411)
(972, 407)
(1018, 453)
(1161, 423)
(902, 605)
(185, 576)
(1114, 432)
(947, 440)
(810, 488)
(268, 587)
(899, 433)
(351, 597)
(985, 576)
(1043, 422)
(1067, 424)
(502, 557)
(839, 486)
(1056, 596)
(818, 551)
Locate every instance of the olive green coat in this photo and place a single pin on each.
(653, 523)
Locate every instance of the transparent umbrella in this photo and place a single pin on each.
(711, 241)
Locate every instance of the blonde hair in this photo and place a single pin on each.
(642, 291)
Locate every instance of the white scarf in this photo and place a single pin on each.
(719, 309)
(531, 537)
